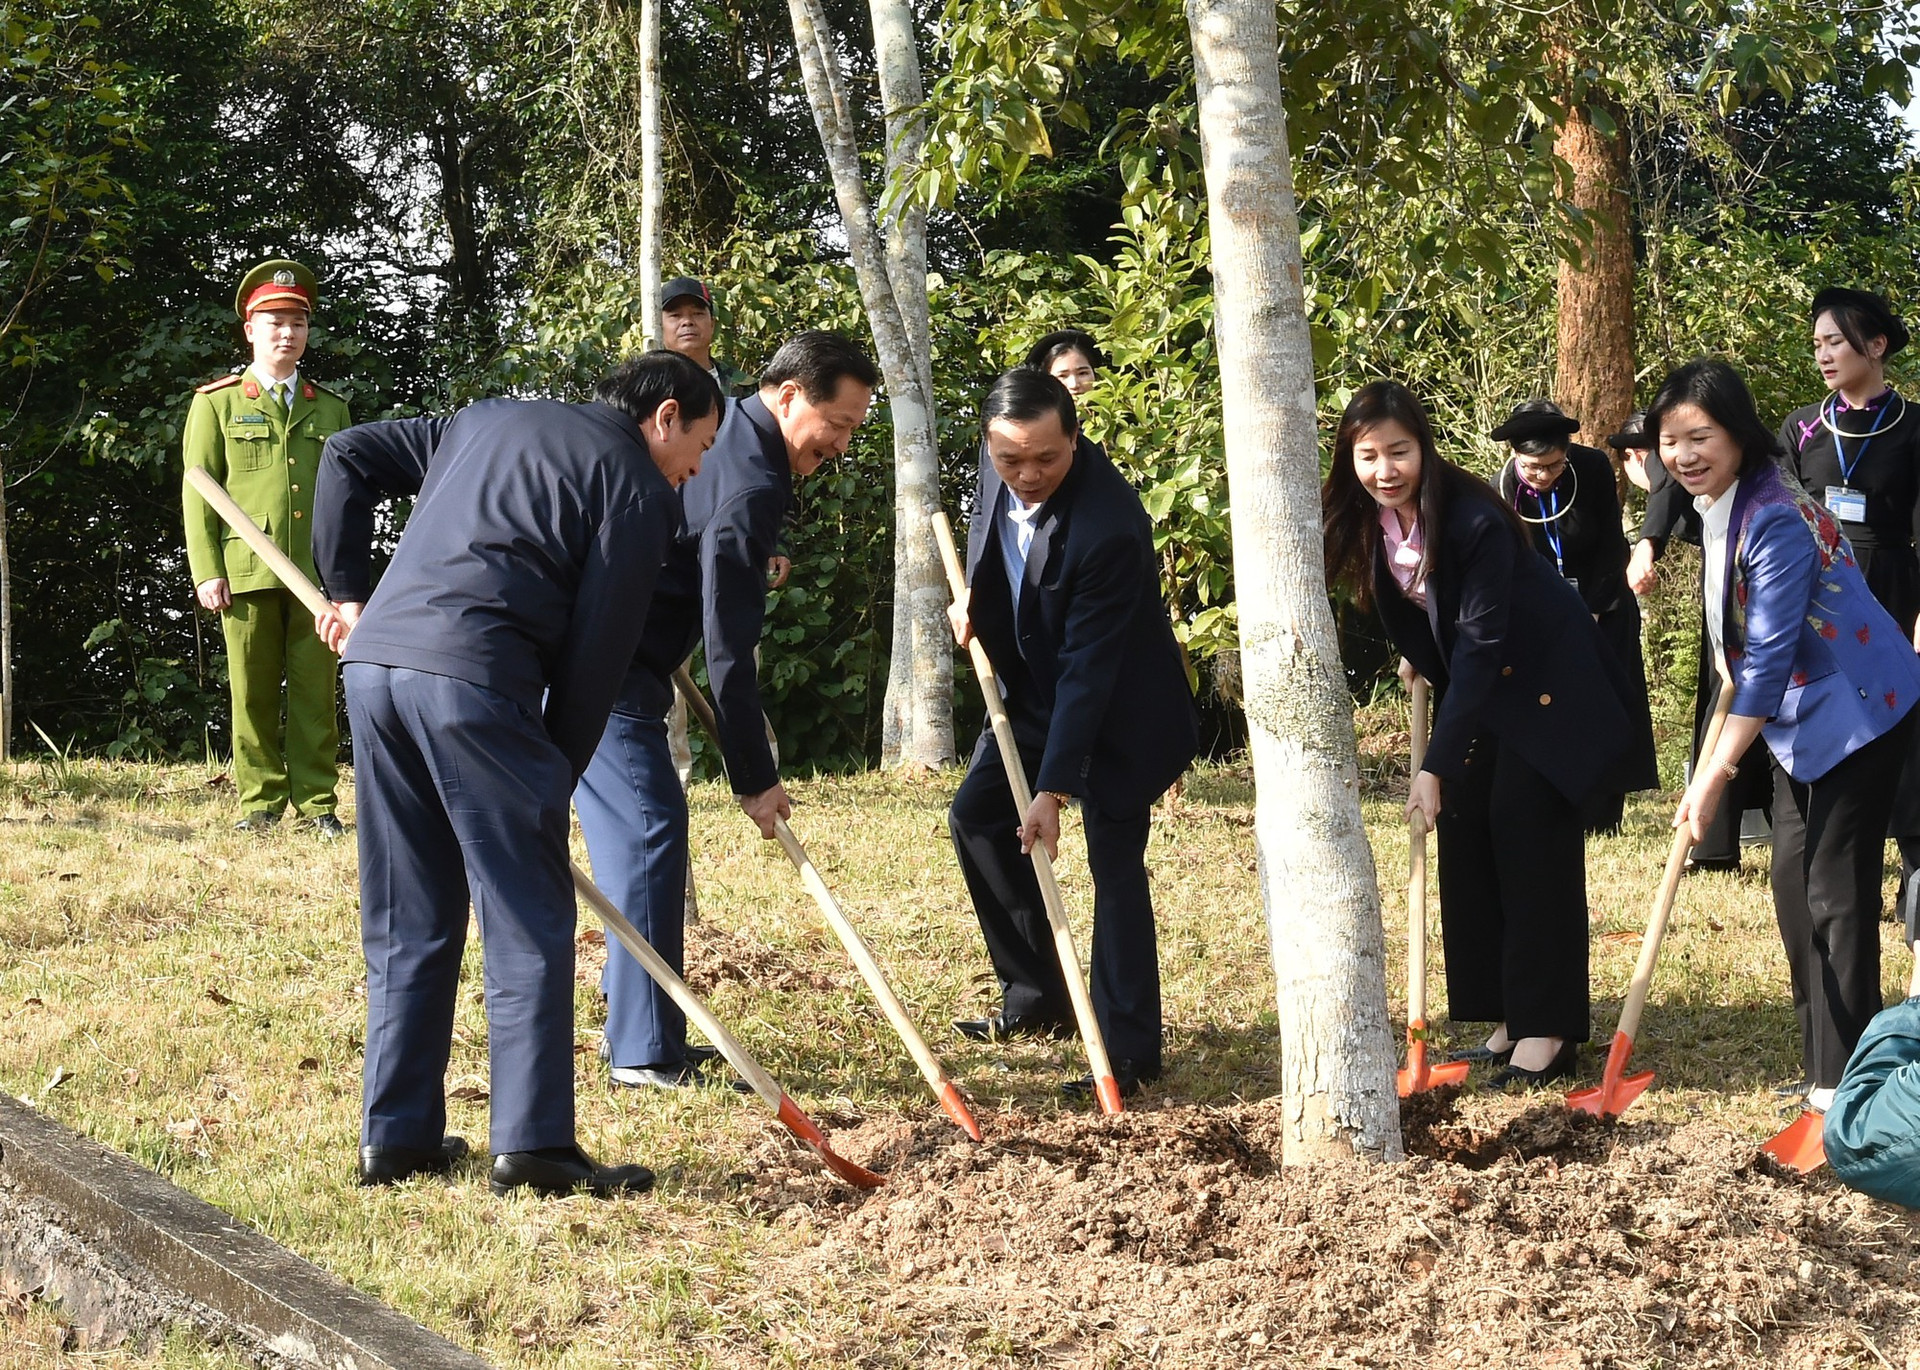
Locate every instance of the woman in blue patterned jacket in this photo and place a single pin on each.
(1822, 673)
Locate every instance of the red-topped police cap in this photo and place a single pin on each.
(276, 285)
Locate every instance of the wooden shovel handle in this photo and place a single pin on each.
(1669, 885)
(1417, 870)
(262, 546)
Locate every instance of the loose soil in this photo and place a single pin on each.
(1517, 1234)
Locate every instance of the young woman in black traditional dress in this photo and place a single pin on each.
(1564, 492)
(1857, 452)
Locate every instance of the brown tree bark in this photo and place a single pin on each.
(1594, 333)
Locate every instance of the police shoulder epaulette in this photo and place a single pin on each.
(324, 389)
(219, 383)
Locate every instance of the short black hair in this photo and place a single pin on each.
(1024, 394)
(640, 385)
(1717, 389)
(817, 361)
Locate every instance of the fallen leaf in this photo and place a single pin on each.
(1622, 935)
(215, 782)
(69, 875)
(592, 937)
(472, 1094)
(218, 997)
(59, 1077)
(33, 1001)
(308, 1063)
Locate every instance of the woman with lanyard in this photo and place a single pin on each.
(1532, 721)
(1858, 453)
(1565, 494)
(1820, 671)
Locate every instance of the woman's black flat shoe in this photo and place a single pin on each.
(1559, 1068)
(1480, 1055)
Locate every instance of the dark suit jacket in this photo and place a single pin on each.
(1093, 675)
(714, 586)
(1515, 655)
(527, 564)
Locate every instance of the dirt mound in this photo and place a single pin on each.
(1516, 1236)
(714, 954)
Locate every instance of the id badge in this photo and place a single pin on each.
(1849, 506)
(1574, 581)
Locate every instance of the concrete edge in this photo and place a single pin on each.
(300, 1312)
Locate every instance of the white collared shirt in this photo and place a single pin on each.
(282, 390)
(1016, 540)
(1715, 517)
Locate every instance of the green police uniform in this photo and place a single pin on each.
(267, 457)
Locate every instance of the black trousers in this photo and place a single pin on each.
(1006, 899)
(1829, 853)
(1513, 898)
(1752, 788)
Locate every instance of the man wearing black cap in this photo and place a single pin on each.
(1564, 493)
(686, 327)
(1858, 452)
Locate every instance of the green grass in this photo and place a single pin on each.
(195, 998)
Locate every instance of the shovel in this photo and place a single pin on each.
(1106, 1088)
(1417, 1075)
(1617, 1089)
(690, 1003)
(857, 949)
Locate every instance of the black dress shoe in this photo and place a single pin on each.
(1799, 1089)
(260, 820)
(325, 826)
(1480, 1055)
(1129, 1075)
(999, 1027)
(391, 1164)
(566, 1170)
(1558, 1068)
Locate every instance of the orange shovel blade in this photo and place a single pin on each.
(1801, 1144)
(1617, 1089)
(1108, 1090)
(957, 1109)
(1418, 1075)
(803, 1127)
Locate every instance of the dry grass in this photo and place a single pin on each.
(194, 997)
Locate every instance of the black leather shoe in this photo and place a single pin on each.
(260, 820)
(566, 1170)
(1559, 1068)
(391, 1164)
(325, 826)
(1130, 1075)
(698, 1055)
(1796, 1090)
(999, 1027)
(1481, 1055)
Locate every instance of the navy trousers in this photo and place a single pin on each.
(462, 797)
(1013, 919)
(634, 815)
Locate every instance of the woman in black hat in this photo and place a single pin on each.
(1531, 721)
(1858, 453)
(1564, 493)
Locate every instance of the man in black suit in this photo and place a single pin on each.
(633, 811)
(1064, 594)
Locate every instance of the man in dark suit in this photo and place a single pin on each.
(1064, 594)
(479, 679)
(632, 809)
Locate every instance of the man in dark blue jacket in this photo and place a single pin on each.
(633, 812)
(1064, 593)
(479, 678)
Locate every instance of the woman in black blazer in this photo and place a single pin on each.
(1532, 721)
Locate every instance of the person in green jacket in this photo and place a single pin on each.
(259, 433)
(1872, 1128)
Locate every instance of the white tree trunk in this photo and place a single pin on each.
(1316, 869)
(918, 712)
(650, 189)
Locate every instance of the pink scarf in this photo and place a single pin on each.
(1404, 551)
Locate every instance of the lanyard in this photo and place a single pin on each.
(1830, 411)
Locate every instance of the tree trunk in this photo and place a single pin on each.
(918, 713)
(1594, 335)
(6, 631)
(650, 188)
(1316, 869)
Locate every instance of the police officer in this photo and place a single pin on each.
(259, 433)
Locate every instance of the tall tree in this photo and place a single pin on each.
(918, 725)
(651, 190)
(1593, 339)
(1316, 868)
